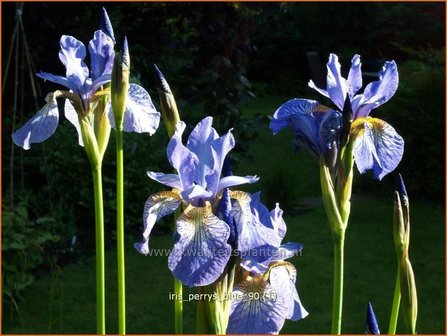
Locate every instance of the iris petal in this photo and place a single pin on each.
(231, 181)
(256, 312)
(282, 279)
(377, 146)
(58, 80)
(377, 92)
(170, 180)
(40, 127)
(336, 84)
(101, 55)
(201, 252)
(278, 222)
(312, 85)
(72, 55)
(251, 232)
(72, 117)
(157, 206)
(140, 115)
(355, 81)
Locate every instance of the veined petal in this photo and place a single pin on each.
(72, 117)
(157, 206)
(256, 308)
(282, 279)
(336, 84)
(355, 81)
(40, 127)
(378, 92)
(231, 181)
(181, 158)
(251, 232)
(170, 180)
(140, 115)
(72, 55)
(101, 55)
(377, 146)
(201, 252)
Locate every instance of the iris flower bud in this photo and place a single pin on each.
(120, 84)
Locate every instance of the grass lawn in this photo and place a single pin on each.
(65, 301)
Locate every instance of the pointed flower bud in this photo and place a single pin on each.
(120, 84)
(401, 218)
(409, 300)
(372, 327)
(168, 105)
(106, 25)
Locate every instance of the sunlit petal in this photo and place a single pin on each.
(377, 146)
(355, 81)
(170, 180)
(278, 222)
(231, 181)
(200, 252)
(157, 206)
(101, 55)
(336, 84)
(72, 117)
(40, 127)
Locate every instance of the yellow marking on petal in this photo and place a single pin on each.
(198, 215)
(242, 197)
(290, 268)
(251, 284)
(358, 126)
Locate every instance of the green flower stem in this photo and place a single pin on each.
(120, 232)
(100, 268)
(178, 307)
(395, 308)
(337, 298)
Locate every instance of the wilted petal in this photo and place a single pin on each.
(278, 222)
(201, 252)
(101, 55)
(377, 146)
(355, 81)
(336, 84)
(378, 92)
(282, 279)
(72, 55)
(40, 127)
(72, 117)
(256, 310)
(170, 180)
(157, 206)
(251, 232)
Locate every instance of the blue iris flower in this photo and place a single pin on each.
(266, 295)
(85, 88)
(377, 146)
(201, 249)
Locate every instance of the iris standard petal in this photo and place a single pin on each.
(199, 142)
(201, 252)
(256, 309)
(157, 206)
(101, 55)
(72, 117)
(40, 127)
(377, 146)
(354, 81)
(336, 84)
(282, 279)
(377, 92)
(251, 232)
(170, 180)
(72, 55)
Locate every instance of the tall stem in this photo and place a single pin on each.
(396, 305)
(337, 298)
(120, 232)
(100, 268)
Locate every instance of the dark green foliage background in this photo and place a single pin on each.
(216, 57)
